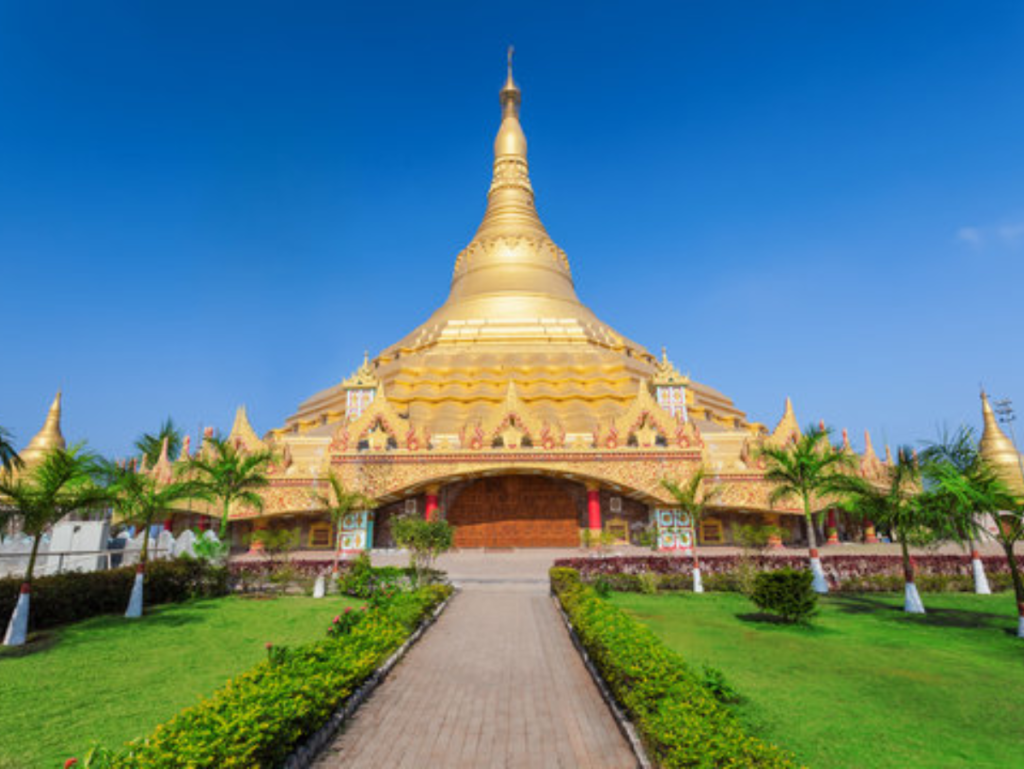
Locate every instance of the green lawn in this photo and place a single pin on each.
(867, 685)
(110, 679)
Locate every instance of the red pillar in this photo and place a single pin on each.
(431, 507)
(168, 523)
(594, 510)
(833, 529)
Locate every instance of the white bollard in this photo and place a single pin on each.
(819, 585)
(319, 587)
(1020, 627)
(135, 602)
(698, 583)
(912, 599)
(981, 586)
(17, 628)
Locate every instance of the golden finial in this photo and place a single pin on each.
(511, 95)
(48, 438)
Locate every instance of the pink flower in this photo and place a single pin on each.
(70, 762)
(269, 646)
(348, 609)
(364, 608)
(337, 619)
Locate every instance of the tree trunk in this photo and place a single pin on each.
(911, 598)
(224, 519)
(1018, 583)
(981, 586)
(337, 549)
(32, 559)
(17, 628)
(820, 585)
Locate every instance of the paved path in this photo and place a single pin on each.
(495, 683)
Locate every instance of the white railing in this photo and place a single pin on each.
(47, 563)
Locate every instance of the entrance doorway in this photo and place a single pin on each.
(515, 511)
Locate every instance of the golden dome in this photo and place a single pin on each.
(998, 450)
(512, 315)
(46, 439)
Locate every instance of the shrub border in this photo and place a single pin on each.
(306, 754)
(621, 719)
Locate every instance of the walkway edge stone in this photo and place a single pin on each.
(624, 724)
(306, 753)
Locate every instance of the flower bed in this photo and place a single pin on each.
(258, 718)
(843, 572)
(679, 719)
(74, 596)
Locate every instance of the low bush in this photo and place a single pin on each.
(786, 593)
(364, 580)
(71, 597)
(680, 719)
(258, 718)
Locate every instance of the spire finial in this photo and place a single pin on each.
(511, 51)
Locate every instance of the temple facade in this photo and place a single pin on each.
(514, 412)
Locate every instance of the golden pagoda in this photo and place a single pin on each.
(998, 450)
(47, 439)
(514, 411)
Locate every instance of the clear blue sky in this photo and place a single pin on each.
(208, 204)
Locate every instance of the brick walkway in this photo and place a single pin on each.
(495, 683)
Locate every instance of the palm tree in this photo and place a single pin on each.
(61, 484)
(808, 469)
(979, 490)
(959, 451)
(228, 474)
(140, 500)
(693, 498)
(339, 503)
(9, 458)
(900, 506)
(150, 446)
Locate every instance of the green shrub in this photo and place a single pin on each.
(425, 540)
(74, 596)
(714, 681)
(786, 593)
(649, 583)
(679, 717)
(258, 718)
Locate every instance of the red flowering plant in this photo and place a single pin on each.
(276, 655)
(344, 623)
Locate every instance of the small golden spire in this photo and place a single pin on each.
(787, 428)
(998, 450)
(243, 432)
(46, 439)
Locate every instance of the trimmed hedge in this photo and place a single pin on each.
(855, 573)
(679, 719)
(259, 717)
(65, 598)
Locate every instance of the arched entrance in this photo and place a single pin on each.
(515, 511)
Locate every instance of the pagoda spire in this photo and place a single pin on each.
(48, 438)
(998, 450)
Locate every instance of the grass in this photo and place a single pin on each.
(866, 685)
(110, 679)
